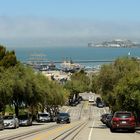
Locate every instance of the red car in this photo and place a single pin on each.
(123, 120)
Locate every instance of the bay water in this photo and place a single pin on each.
(76, 53)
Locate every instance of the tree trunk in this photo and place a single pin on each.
(16, 110)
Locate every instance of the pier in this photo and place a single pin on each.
(75, 61)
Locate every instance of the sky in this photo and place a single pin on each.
(67, 22)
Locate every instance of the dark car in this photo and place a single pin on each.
(98, 100)
(25, 120)
(1, 123)
(123, 120)
(100, 104)
(103, 118)
(63, 118)
(108, 120)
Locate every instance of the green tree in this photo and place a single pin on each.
(79, 82)
(7, 58)
(119, 84)
(6, 85)
(2, 52)
(128, 92)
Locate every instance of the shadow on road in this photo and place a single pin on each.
(100, 127)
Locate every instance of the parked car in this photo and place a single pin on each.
(74, 103)
(108, 120)
(91, 99)
(63, 118)
(123, 120)
(98, 100)
(43, 117)
(25, 120)
(11, 121)
(80, 98)
(52, 118)
(100, 104)
(103, 118)
(1, 123)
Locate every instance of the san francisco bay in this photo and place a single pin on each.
(76, 53)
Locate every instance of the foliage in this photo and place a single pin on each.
(79, 83)
(7, 58)
(23, 88)
(118, 83)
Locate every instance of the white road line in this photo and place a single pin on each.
(67, 110)
(104, 110)
(90, 134)
(99, 114)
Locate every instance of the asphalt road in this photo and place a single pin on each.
(85, 125)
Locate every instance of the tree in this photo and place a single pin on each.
(119, 84)
(79, 83)
(6, 85)
(7, 58)
(22, 87)
(18, 88)
(128, 92)
(2, 52)
(56, 96)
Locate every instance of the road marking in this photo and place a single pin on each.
(90, 134)
(67, 110)
(104, 110)
(51, 132)
(86, 105)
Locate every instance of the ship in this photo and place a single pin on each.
(39, 62)
(70, 66)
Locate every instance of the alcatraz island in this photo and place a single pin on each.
(116, 43)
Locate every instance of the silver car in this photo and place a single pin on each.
(11, 121)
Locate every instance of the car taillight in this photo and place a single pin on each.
(115, 119)
(132, 120)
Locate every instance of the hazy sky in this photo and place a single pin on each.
(67, 22)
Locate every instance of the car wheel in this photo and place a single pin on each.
(112, 130)
(15, 126)
(132, 130)
(2, 127)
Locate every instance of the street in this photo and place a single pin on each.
(85, 125)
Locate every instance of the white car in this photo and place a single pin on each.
(91, 99)
(11, 121)
(44, 117)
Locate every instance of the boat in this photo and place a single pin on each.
(70, 66)
(39, 62)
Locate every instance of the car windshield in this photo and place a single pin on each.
(109, 116)
(23, 117)
(43, 115)
(123, 115)
(8, 117)
(63, 114)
